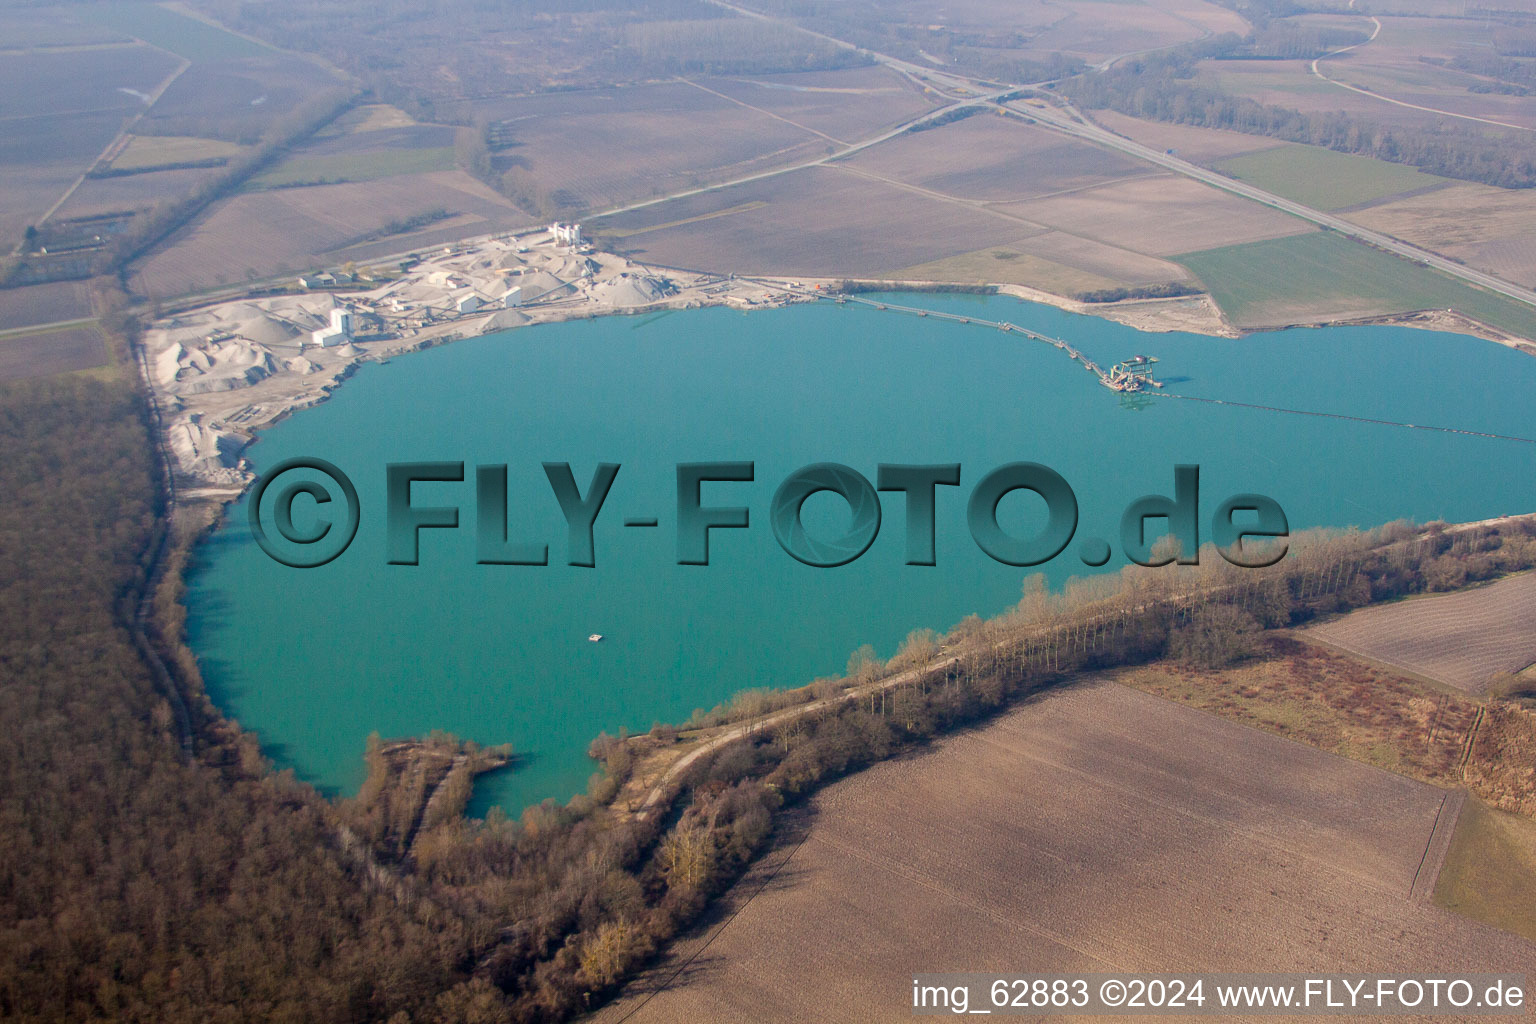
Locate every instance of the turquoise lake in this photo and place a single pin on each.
(314, 660)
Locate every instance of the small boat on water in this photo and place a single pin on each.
(595, 638)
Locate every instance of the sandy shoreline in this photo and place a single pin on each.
(1199, 314)
(222, 372)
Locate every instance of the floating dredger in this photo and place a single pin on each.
(1131, 374)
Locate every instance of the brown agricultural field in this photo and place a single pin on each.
(50, 352)
(819, 221)
(442, 232)
(1390, 70)
(599, 148)
(130, 191)
(847, 105)
(1424, 8)
(1162, 215)
(1408, 80)
(292, 229)
(1361, 711)
(1095, 31)
(1391, 65)
(55, 82)
(1457, 639)
(995, 159)
(1493, 229)
(1095, 829)
(1198, 145)
(40, 157)
(58, 111)
(1026, 16)
(1291, 85)
(23, 28)
(44, 304)
(838, 220)
(1209, 16)
(235, 99)
(1094, 257)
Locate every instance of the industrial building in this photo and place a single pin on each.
(338, 332)
(566, 234)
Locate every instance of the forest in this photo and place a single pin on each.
(133, 885)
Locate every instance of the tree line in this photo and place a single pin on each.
(134, 886)
(1167, 290)
(1509, 76)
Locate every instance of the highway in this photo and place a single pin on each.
(1065, 121)
(963, 91)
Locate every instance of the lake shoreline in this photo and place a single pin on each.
(1189, 314)
(732, 365)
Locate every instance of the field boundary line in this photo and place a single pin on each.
(1438, 845)
(1471, 741)
(777, 117)
(58, 326)
(988, 206)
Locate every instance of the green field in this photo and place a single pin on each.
(1250, 83)
(339, 167)
(1007, 265)
(1490, 869)
(187, 37)
(1311, 277)
(1324, 179)
(146, 151)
